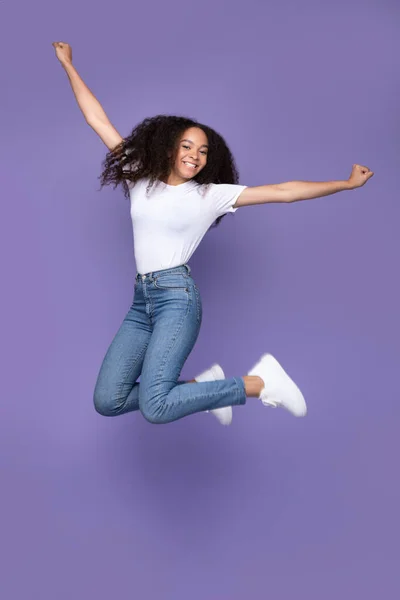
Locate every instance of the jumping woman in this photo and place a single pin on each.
(181, 179)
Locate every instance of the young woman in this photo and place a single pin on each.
(181, 179)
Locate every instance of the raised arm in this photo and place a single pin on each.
(292, 191)
(91, 108)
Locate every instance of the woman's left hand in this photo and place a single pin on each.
(359, 176)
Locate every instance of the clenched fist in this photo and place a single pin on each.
(359, 176)
(63, 52)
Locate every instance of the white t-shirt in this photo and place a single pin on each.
(170, 222)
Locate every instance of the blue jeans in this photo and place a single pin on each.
(153, 342)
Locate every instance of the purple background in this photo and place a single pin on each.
(273, 506)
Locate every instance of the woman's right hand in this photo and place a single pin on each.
(63, 52)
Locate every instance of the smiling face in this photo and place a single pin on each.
(191, 156)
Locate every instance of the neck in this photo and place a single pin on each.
(175, 180)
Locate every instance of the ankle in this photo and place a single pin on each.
(253, 385)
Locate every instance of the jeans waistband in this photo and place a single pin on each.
(153, 274)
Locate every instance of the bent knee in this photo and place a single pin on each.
(154, 415)
(104, 405)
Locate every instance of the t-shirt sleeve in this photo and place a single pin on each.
(224, 196)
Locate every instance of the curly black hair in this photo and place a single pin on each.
(151, 149)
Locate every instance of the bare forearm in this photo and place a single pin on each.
(306, 190)
(87, 102)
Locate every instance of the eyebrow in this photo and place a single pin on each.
(185, 140)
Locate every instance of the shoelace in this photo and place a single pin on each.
(267, 401)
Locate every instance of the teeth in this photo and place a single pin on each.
(190, 165)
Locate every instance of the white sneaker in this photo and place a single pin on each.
(223, 415)
(279, 389)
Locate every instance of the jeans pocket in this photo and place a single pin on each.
(171, 281)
